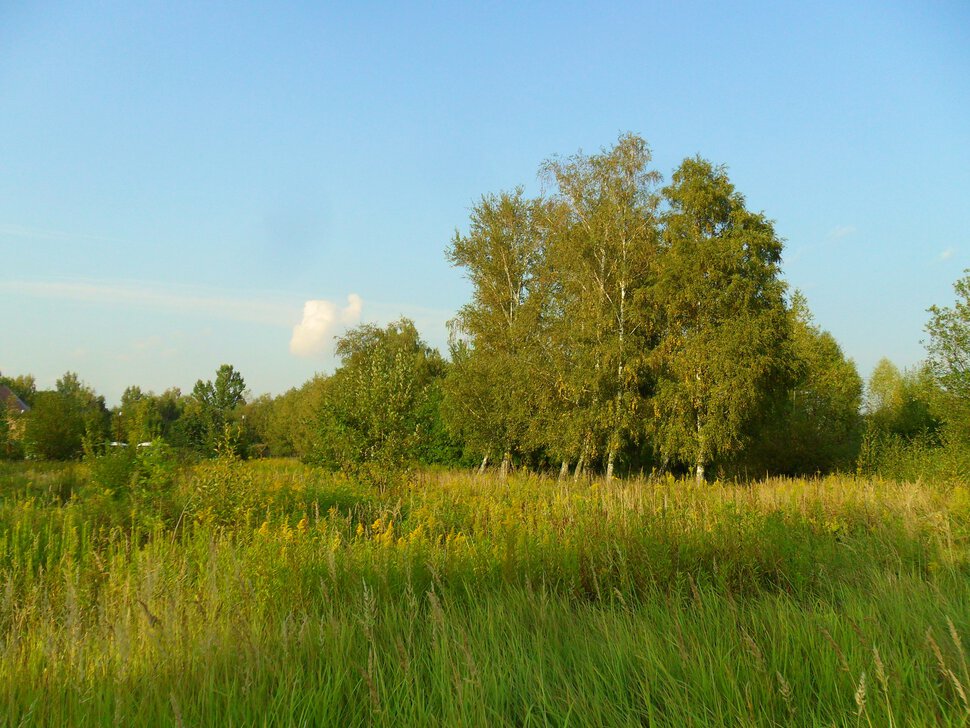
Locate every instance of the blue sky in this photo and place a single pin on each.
(178, 180)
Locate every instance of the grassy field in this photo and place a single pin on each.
(269, 593)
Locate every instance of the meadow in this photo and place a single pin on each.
(272, 593)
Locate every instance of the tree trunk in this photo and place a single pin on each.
(506, 462)
(701, 452)
(564, 469)
(609, 464)
(577, 473)
(481, 468)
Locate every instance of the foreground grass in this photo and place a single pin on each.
(455, 600)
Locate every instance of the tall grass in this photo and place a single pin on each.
(268, 593)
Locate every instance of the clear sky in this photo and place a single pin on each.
(182, 184)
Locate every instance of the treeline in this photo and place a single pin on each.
(615, 324)
(72, 419)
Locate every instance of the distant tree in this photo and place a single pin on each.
(55, 427)
(901, 403)
(24, 386)
(949, 359)
(725, 344)
(255, 416)
(137, 418)
(61, 422)
(293, 423)
(216, 405)
(371, 419)
(6, 440)
(170, 405)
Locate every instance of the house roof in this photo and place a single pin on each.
(13, 402)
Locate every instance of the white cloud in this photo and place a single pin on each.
(946, 254)
(320, 320)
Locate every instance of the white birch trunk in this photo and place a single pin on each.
(578, 471)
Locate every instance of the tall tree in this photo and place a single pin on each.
(486, 394)
(725, 343)
(603, 246)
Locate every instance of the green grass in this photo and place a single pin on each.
(267, 593)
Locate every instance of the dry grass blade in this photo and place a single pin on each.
(784, 687)
(176, 711)
(958, 643)
(958, 686)
(945, 671)
(754, 651)
(940, 662)
(694, 590)
(860, 695)
(880, 669)
(883, 683)
(843, 663)
(152, 619)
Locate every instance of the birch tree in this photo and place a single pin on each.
(602, 255)
(724, 346)
(489, 386)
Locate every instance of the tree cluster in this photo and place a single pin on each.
(617, 321)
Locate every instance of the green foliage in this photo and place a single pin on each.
(223, 490)
(112, 469)
(902, 403)
(949, 343)
(54, 427)
(948, 363)
(61, 420)
(725, 344)
(138, 418)
(213, 407)
(601, 266)
(24, 386)
(374, 417)
(815, 425)
(486, 396)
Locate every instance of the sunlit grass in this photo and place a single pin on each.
(456, 599)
